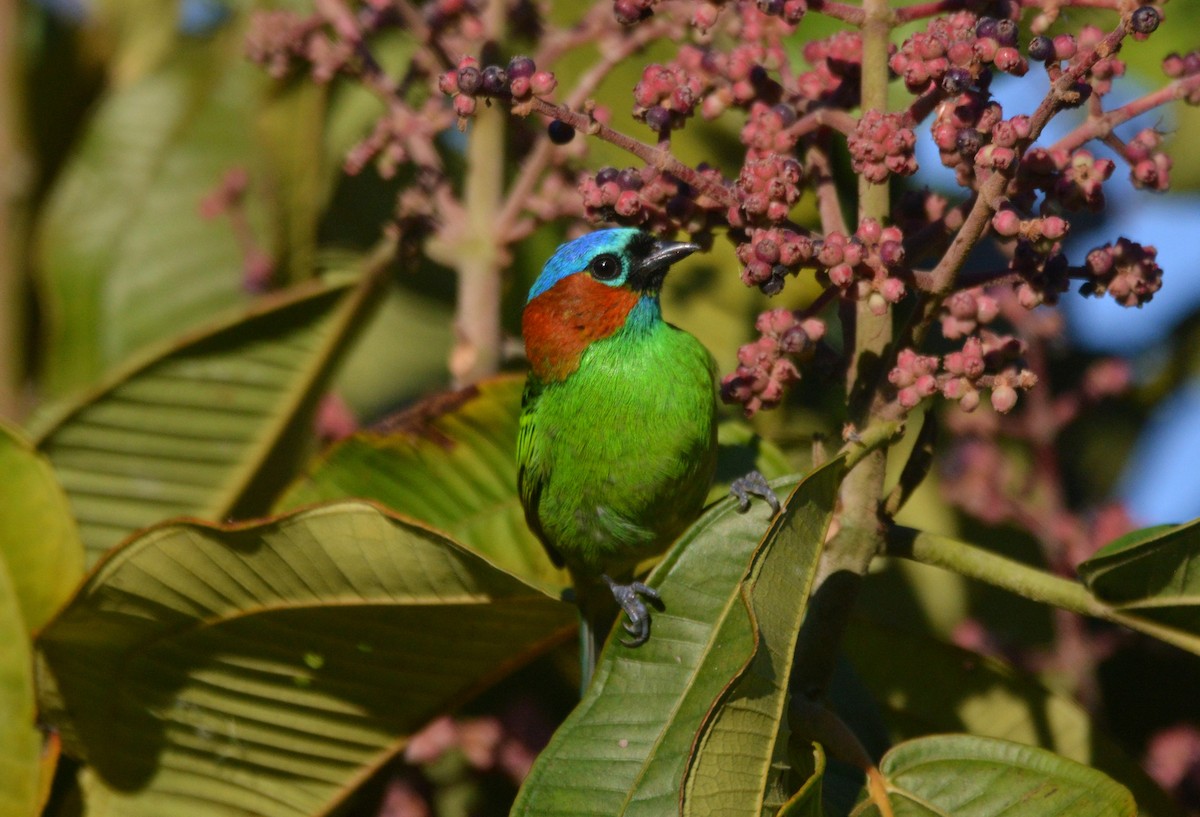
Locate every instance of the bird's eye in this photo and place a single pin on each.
(605, 267)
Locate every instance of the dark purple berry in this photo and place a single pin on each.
(605, 175)
(494, 80)
(758, 76)
(1041, 48)
(986, 28)
(956, 80)
(1145, 20)
(1006, 32)
(786, 113)
(469, 80)
(659, 119)
(521, 67)
(968, 142)
(679, 207)
(560, 133)
(629, 179)
(772, 286)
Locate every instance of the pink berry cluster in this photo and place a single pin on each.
(866, 266)
(835, 79)
(1185, 66)
(1071, 180)
(1149, 167)
(648, 198)
(519, 82)
(882, 143)
(965, 311)
(955, 51)
(282, 41)
(667, 95)
(986, 361)
(768, 130)
(1127, 271)
(768, 365)
(770, 254)
(766, 190)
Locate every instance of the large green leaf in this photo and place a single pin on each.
(624, 748)
(1152, 575)
(205, 426)
(739, 760)
(20, 743)
(39, 541)
(969, 776)
(267, 669)
(124, 256)
(451, 462)
(924, 686)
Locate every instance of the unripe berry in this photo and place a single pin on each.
(469, 79)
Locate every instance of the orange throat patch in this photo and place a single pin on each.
(563, 321)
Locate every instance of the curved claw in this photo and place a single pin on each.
(754, 484)
(629, 597)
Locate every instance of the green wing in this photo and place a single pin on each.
(531, 473)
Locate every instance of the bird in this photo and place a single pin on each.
(617, 440)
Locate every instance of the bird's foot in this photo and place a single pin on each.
(629, 597)
(753, 484)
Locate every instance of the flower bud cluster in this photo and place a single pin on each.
(282, 41)
(1149, 167)
(1043, 232)
(519, 82)
(1043, 273)
(647, 198)
(1106, 69)
(986, 361)
(882, 143)
(962, 128)
(767, 366)
(1072, 180)
(1126, 270)
(770, 254)
(666, 95)
(866, 266)
(967, 310)
(954, 51)
(836, 76)
(767, 130)
(1178, 66)
(766, 189)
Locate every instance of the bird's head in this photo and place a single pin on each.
(590, 288)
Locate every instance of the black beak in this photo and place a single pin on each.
(649, 270)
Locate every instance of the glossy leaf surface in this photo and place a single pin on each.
(969, 776)
(267, 669)
(39, 542)
(624, 748)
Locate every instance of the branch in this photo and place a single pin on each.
(1024, 580)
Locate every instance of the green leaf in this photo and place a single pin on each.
(268, 669)
(451, 462)
(204, 427)
(968, 776)
(739, 760)
(20, 743)
(1153, 575)
(925, 686)
(624, 748)
(807, 802)
(124, 255)
(39, 541)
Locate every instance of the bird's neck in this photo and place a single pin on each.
(562, 322)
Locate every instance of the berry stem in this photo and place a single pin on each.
(650, 154)
(1101, 126)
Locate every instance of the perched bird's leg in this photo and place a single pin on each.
(628, 596)
(754, 484)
